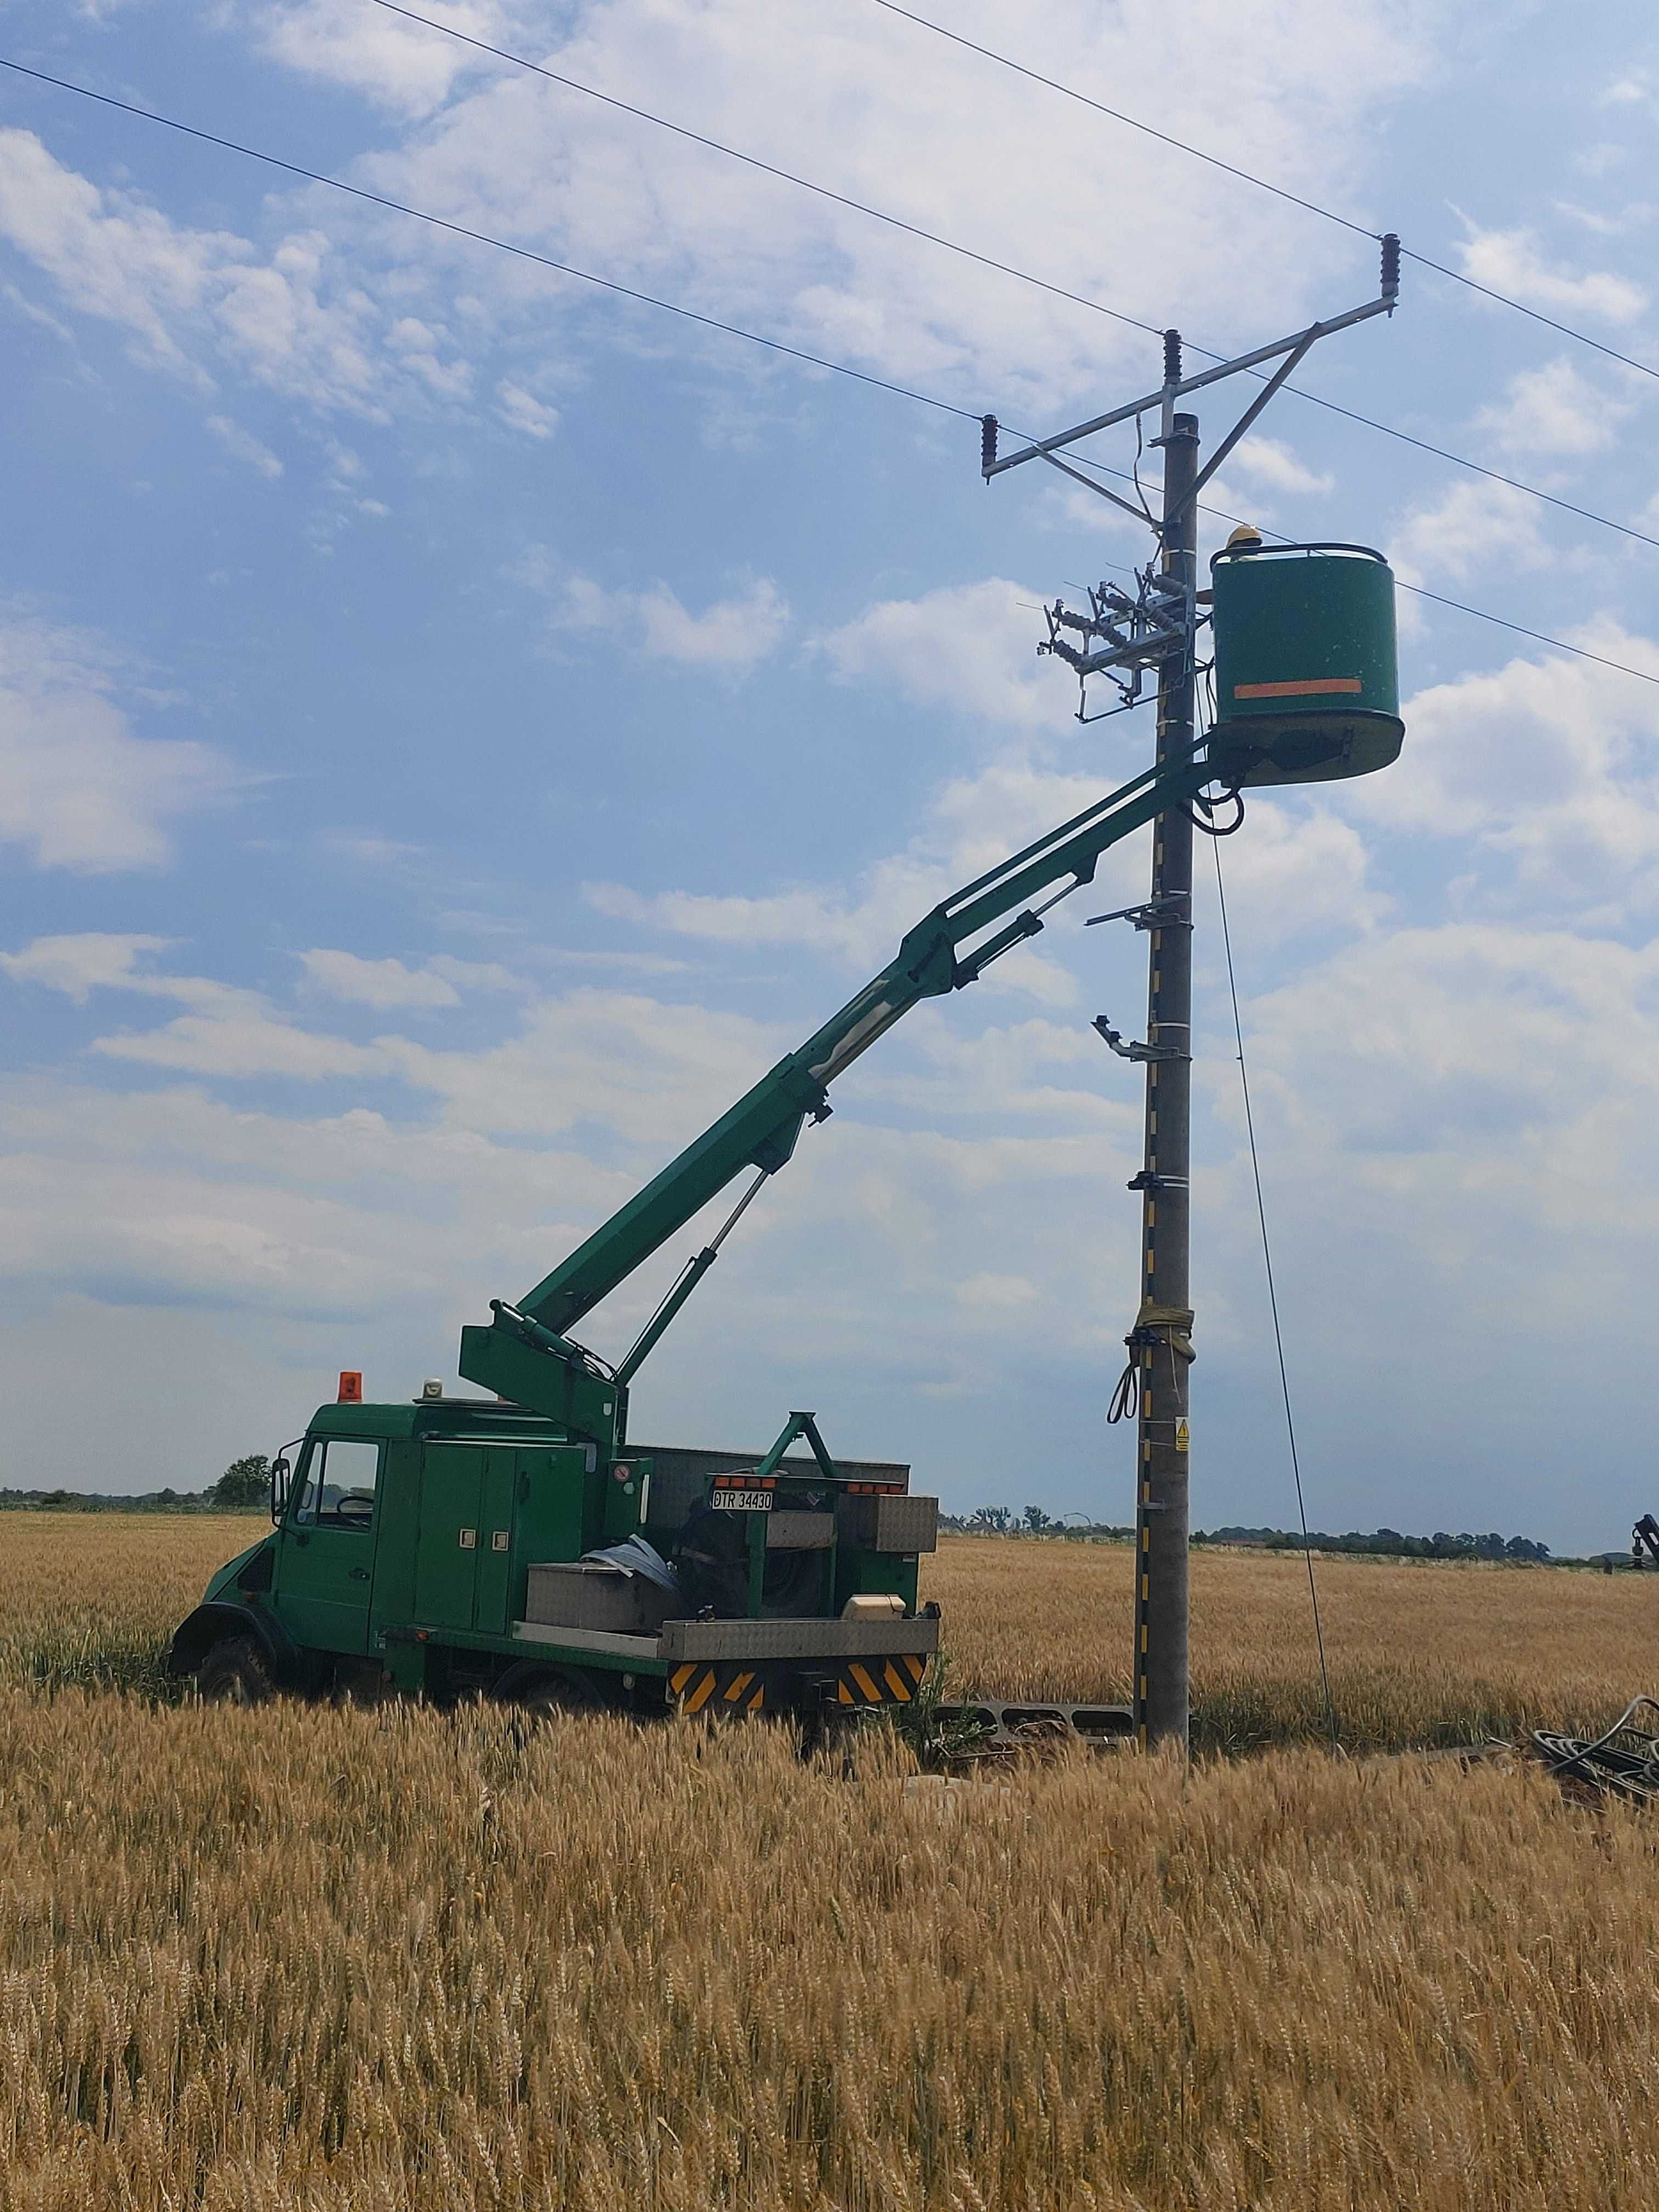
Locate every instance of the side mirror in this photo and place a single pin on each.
(280, 1471)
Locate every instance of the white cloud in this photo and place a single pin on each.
(288, 321)
(521, 410)
(79, 964)
(243, 445)
(1265, 461)
(535, 163)
(77, 788)
(1298, 872)
(1554, 409)
(1470, 525)
(379, 983)
(1609, 223)
(311, 318)
(729, 634)
(1510, 261)
(1632, 89)
(1550, 766)
(238, 1041)
(404, 67)
(970, 647)
(973, 822)
(475, 974)
(336, 327)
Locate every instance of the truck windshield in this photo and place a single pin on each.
(338, 1486)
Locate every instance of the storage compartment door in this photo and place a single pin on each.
(495, 1554)
(452, 1530)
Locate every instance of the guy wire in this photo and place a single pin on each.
(1272, 1304)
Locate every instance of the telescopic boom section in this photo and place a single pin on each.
(525, 1353)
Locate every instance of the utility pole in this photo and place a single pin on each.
(1123, 637)
(1165, 1323)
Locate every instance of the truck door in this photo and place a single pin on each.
(325, 1561)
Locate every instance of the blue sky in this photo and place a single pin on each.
(457, 727)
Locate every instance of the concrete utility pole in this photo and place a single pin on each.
(1121, 637)
(1165, 1321)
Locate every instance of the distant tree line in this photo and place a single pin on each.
(1385, 1543)
(1034, 1521)
(243, 1487)
(1380, 1543)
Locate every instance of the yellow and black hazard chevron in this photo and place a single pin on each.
(877, 1681)
(698, 1688)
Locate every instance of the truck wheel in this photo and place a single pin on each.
(568, 1691)
(235, 1673)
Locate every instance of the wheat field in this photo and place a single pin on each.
(1419, 1652)
(319, 1958)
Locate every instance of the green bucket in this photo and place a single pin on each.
(1307, 674)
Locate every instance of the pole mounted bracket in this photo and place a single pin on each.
(1133, 1051)
(1175, 911)
(1150, 1180)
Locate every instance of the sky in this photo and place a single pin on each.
(459, 725)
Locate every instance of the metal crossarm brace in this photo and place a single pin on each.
(1164, 398)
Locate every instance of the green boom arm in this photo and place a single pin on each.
(526, 1354)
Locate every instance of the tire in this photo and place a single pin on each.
(235, 1673)
(569, 1690)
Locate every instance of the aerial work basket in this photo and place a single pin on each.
(1307, 680)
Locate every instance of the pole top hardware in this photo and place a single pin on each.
(1133, 1051)
(1289, 350)
(1173, 911)
(1124, 635)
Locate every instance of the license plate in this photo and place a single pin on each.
(741, 1501)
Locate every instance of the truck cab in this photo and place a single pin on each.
(446, 1546)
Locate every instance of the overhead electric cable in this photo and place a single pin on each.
(1007, 268)
(771, 168)
(708, 322)
(1278, 191)
(486, 238)
(1417, 591)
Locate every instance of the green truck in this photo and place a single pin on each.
(515, 1544)
(449, 1545)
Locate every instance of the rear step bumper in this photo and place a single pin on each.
(683, 1640)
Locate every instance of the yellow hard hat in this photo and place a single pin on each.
(1246, 534)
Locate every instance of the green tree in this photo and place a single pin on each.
(1037, 1520)
(245, 1482)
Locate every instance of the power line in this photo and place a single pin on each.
(1278, 191)
(485, 238)
(1477, 468)
(1006, 268)
(1417, 591)
(769, 168)
(708, 322)
(1117, 115)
